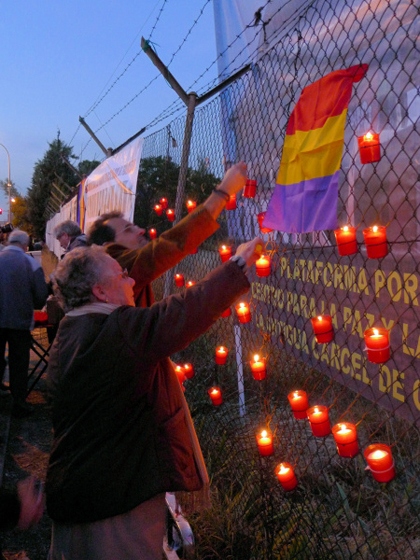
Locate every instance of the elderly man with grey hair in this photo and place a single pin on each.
(70, 235)
(22, 289)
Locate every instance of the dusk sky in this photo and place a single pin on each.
(62, 60)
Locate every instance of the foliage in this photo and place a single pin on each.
(20, 218)
(86, 166)
(4, 185)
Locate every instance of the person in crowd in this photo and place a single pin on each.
(23, 506)
(70, 235)
(122, 434)
(146, 261)
(22, 289)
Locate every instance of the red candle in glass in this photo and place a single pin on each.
(231, 203)
(380, 462)
(323, 330)
(377, 344)
(190, 283)
(152, 233)
(179, 280)
(299, 403)
(243, 312)
(189, 371)
(221, 355)
(369, 147)
(258, 368)
(179, 370)
(260, 218)
(250, 188)
(346, 240)
(158, 209)
(191, 205)
(286, 476)
(170, 214)
(265, 443)
(215, 394)
(225, 252)
(164, 203)
(376, 242)
(345, 437)
(226, 313)
(319, 420)
(263, 266)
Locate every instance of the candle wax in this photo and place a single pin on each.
(263, 266)
(299, 403)
(231, 203)
(319, 420)
(258, 368)
(243, 312)
(380, 462)
(215, 395)
(376, 242)
(265, 444)
(221, 355)
(346, 240)
(286, 476)
(323, 330)
(179, 280)
(377, 344)
(345, 437)
(225, 252)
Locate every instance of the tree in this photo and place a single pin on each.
(4, 185)
(20, 218)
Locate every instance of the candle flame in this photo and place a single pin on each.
(214, 391)
(375, 332)
(283, 469)
(368, 136)
(296, 394)
(343, 429)
(264, 433)
(378, 454)
(375, 229)
(319, 317)
(256, 358)
(316, 410)
(346, 228)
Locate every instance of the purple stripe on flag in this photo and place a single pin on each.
(304, 207)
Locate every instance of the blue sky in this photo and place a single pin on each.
(58, 59)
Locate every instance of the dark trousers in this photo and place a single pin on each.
(19, 343)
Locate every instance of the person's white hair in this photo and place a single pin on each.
(19, 236)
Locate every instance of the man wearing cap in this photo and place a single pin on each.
(22, 289)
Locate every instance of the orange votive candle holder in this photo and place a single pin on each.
(158, 209)
(380, 461)
(299, 403)
(164, 203)
(243, 312)
(376, 242)
(179, 280)
(221, 355)
(250, 189)
(152, 233)
(319, 420)
(263, 266)
(323, 329)
(191, 205)
(231, 203)
(369, 147)
(190, 283)
(265, 443)
(189, 370)
(346, 240)
(286, 476)
(170, 214)
(225, 252)
(180, 372)
(345, 437)
(215, 394)
(260, 218)
(258, 367)
(377, 344)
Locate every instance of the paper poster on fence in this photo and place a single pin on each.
(112, 185)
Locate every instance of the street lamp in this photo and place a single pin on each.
(9, 184)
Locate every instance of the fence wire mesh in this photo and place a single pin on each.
(339, 509)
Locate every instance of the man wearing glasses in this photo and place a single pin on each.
(145, 261)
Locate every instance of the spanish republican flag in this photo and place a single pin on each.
(306, 193)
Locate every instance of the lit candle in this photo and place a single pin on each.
(164, 203)
(323, 330)
(258, 368)
(345, 437)
(179, 280)
(263, 266)
(189, 371)
(265, 443)
(179, 370)
(299, 403)
(170, 214)
(191, 205)
(215, 394)
(260, 218)
(190, 283)
(152, 233)
(250, 188)
(158, 209)
(286, 476)
(369, 147)
(377, 344)
(380, 462)
(243, 312)
(376, 242)
(221, 355)
(319, 420)
(226, 313)
(231, 203)
(346, 240)
(225, 252)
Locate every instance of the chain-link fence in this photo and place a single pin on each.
(339, 508)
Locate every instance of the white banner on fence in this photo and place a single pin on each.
(112, 185)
